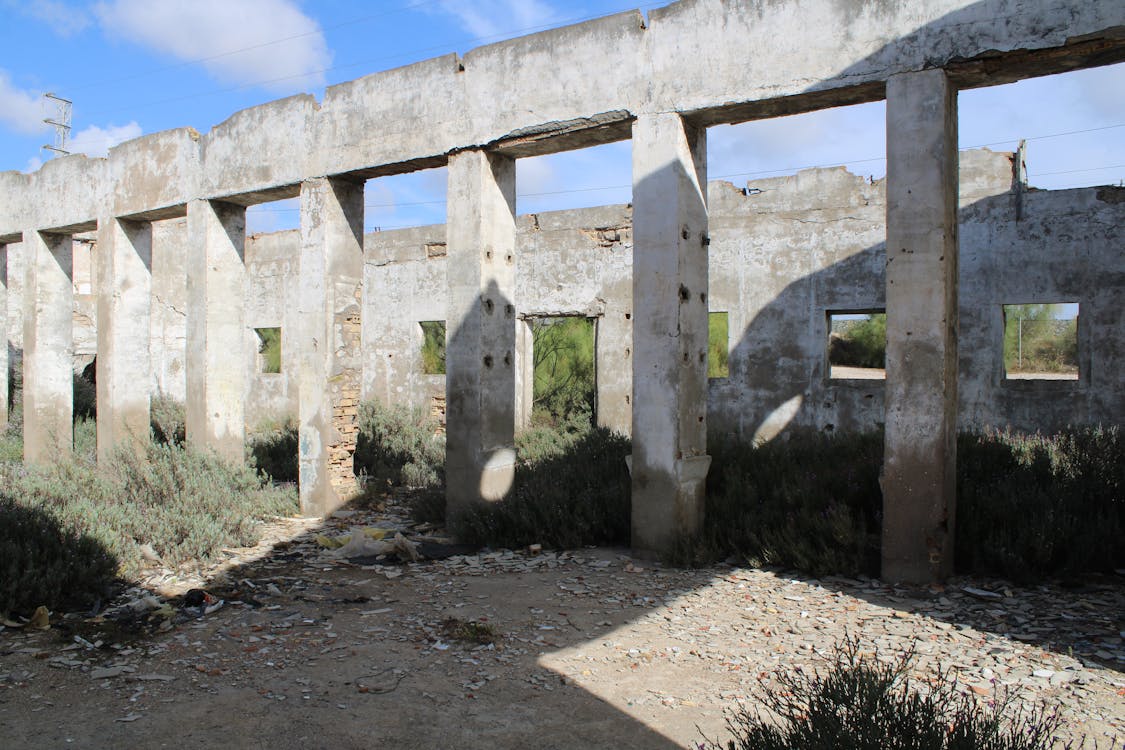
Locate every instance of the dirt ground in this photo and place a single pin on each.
(510, 649)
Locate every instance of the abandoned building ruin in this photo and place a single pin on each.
(142, 258)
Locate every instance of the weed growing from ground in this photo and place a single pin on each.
(864, 703)
(397, 447)
(184, 503)
(273, 450)
(1032, 505)
(810, 502)
(571, 489)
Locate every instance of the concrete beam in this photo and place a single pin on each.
(919, 475)
(480, 355)
(124, 288)
(670, 242)
(48, 347)
(331, 364)
(215, 332)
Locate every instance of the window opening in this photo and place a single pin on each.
(857, 344)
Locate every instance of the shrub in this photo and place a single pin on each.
(868, 704)
(810, 502)
(571, 489)
(397, 447)
(186, 503)
(43, 563)
(1034, 505)
(85, 397)
(168, 420)
(274, 451)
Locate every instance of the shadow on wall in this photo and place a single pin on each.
(779, 379)
(480, 401)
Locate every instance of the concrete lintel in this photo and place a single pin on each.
(919, 475)
(177, 211)
(784, 106)
(481, 319)
(216, 334)
(669, 330)
(402, 167)
(124, 288)
(266, 195)
(330, 341)
(80, 227)
(569, 135)
(48, 347)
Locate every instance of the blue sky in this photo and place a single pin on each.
(139, 66)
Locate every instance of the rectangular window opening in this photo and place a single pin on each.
(433, 347)
(1041, 341)
(857, 344)
(718, 345)
(565, 384)
(269, 350)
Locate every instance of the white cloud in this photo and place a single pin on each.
(490, 18)
(96, 141)
(209, 31)
(65, 19)
(21, 111)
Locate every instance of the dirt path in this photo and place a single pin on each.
(589, 649)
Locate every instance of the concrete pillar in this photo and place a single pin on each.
(525, 374)
(48, 347)
(670, 461)
(919, 473)
(124, 374)
(331, 365)
(3, 337)
(215, 329)
(480, 357)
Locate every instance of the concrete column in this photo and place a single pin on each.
(480, 357)
(919, 472)
(124, 288)
(331, 364)
(215, 329)
(670, 460)
(48, 347)
(525, 374)
(3, 337)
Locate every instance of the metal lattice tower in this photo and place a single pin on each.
(60, 122)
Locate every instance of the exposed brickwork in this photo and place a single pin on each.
(345, 393)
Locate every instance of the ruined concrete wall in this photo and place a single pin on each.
(570, 263)
(85, 303)
(168, 321)
(271, 302)
(580, 263)
(404, 283)
(1065, 246)
(784, 253)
